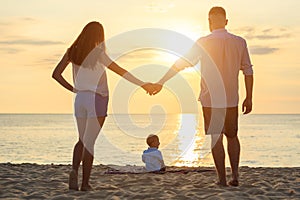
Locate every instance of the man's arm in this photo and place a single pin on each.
(188, 60)
(247, 104)
(247, 69)
(170, 73)
(176, 67)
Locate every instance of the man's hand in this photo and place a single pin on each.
(247, 106)
(157, 88)
(149, 88)
(152, 88)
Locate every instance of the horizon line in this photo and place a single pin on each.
(27, 113)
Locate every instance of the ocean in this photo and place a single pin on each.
(267, 140)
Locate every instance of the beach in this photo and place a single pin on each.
(33, 181)
(273, 170)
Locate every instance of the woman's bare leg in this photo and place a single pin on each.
(78, 148)
(77, 154)
(92, 131)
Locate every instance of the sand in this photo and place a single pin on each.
(32, 181)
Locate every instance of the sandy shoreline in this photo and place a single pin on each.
(32, 181)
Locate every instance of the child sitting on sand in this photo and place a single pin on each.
(152, 157)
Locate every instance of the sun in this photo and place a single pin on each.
(168, 57)
(189, 29)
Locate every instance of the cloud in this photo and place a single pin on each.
(263, 34)
(266, 36)
(29, 19)
(48, 61)
(3, 24)
(144, 56)
(160, 6)
(30, 42)
(267, 30)
(10, 50)
(18, 21)
(260, 50)
(245, 29)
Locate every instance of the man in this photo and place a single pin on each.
(222, 55)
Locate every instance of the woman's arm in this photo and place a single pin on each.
(128, 76)
(57, 73)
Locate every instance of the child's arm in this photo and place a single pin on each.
(163, 163)
(161, 160)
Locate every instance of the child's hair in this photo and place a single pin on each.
(91, 36)
(151, 138)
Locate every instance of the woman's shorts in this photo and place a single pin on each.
(221, 120)
(89, 104)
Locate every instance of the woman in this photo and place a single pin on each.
(89, 60)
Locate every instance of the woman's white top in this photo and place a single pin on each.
(91, 74)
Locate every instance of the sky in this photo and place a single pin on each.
(34, 35)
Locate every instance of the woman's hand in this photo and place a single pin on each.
(152, 88)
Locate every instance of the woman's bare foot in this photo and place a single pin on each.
(73, 180)
(234, 183)
(221, 184)
(86, 188)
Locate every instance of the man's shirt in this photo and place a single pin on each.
(222, 55)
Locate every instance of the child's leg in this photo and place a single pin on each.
(163, 169)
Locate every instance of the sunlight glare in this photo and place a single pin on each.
(195, 146)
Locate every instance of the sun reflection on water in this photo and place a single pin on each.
(197, 152)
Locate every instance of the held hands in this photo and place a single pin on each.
(157, 87)
(152, 88)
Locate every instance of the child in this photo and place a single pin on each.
(152, 157)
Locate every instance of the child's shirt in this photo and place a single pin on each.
(153, 159)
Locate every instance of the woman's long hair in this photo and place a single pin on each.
(91, 36)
